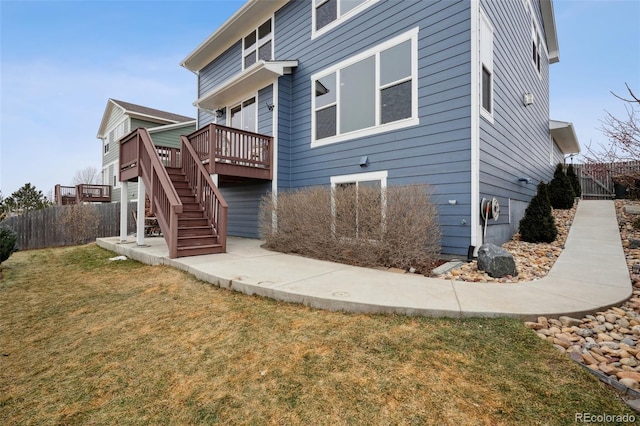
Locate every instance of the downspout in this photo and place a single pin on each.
(475, 126)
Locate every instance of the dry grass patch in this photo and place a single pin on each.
(88, 341)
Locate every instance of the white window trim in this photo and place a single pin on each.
(126, 123)
(487, 115)
(377, 128)
(106, 145)
(339, 20)
(542, 46)
(356, 178)
(260, 42)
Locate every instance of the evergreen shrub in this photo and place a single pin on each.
(561, 193)
(537, 225)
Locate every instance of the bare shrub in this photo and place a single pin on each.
(78, 223)
(359, 225)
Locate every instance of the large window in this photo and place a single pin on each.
(358, 205)
(258, 45)
(372, 92)
(486, 68)
(243, 115)
(328, 14)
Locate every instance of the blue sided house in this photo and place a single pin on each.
(454, 94)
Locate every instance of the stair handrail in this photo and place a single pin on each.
(207, 193)
(165, 202)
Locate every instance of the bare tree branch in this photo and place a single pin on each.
(88, 175)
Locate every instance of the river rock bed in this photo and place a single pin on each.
(608, 341)
(533, 261)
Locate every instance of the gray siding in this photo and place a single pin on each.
(436, 152)
(116, 117)
(517, 144)
(244, 204)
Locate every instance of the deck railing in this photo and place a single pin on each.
(206, 192)
(221, 145)
(139, 157)
(82, 193)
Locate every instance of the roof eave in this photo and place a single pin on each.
(105, 119)
(171, 126)
(249, 16)
(253, 78)
(564, 136)
(551, 36)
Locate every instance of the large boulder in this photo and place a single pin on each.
(496, 261)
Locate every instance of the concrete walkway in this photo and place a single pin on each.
(590, 275)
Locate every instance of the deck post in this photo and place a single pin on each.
(124, 225)
(141, 212)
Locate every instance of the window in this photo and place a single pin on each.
(486, 67)
(536, 46)
(115, 134)
(243, 116)
(373, 92)
(328, 14)
(358, 205)
(258, 45)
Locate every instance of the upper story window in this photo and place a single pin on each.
(486, 67)
(258, 45)
(372, 92)
(115, 134)
(536, 47)
(328, 14)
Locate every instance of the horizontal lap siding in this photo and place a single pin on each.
(244, 204)
(171, 138)
(226, 66)
(436, 152)
(517, 144)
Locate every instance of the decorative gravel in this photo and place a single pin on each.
(533, 261)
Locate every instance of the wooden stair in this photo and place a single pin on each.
(196, 236)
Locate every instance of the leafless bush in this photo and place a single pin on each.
(359, 225)
(78, 223)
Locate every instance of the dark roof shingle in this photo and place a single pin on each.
(139, 109)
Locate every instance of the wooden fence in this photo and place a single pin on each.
(45, 228)
(597, 179)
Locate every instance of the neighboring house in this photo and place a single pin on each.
(454, 94)
(120, 118)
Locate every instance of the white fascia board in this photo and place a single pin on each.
(564, 136)
(251, 15)
(105, 118)
(551, 36)
(171, 126)
(254, 78)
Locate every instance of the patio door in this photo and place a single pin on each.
(243, 117)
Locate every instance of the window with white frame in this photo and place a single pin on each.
(244, 115)
(358, 205)
(372, 92)
(328, 14)
(486, 67)
(258, 45)
(536, 46)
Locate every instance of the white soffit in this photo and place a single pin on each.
(564, 136)
(551, 37)
(254, 78)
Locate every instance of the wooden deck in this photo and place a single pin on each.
(83, 193)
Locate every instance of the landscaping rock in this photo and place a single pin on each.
(496, 261)
(630, 383)
(570, 322)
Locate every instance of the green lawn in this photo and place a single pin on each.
(88, 341)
